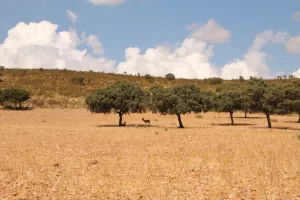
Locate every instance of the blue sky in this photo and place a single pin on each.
(149, 23)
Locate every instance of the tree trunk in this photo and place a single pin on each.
(246, 112)
(180, 122)
(299, 118)
(231, 117)
(120, 119)
(269, 120)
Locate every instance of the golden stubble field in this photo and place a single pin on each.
(73, 154)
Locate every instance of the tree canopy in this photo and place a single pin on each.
(15, 96)
(177, 100)
(265, 98)
(291, 104)
(229, 101)
(121, 97)
(170, 77)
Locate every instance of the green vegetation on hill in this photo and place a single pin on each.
(56, 88)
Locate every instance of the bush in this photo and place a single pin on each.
(78, 80)
(149, 78)
(170, 77)
(13, 96)
(242, 79)
(215, 80)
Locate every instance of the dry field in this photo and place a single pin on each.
(73, 154)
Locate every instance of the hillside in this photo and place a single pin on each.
(54, 88)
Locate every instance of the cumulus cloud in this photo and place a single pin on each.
(293, 45)
(37, 45)
(107, 2)
(94, 43)
(254, 62)
(211, 32)
(296, 16)
(73, 17)
(297, 73)
(190, 60)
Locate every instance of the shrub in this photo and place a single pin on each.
(215, 80)
(170, 77)
(298, 136)
(78, 80)
(242, 79)
(149, 78)
(14, 96)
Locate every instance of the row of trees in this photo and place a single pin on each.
(13, 97)
(256, 96)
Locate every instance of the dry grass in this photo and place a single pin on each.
(73, 154)
(52, 88)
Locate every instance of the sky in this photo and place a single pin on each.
(189, 38)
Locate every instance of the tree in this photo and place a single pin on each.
(271, 101)
(15, 96)
(242, 79)
(149, 78)
(121, 97)
(215, 80)
(245, 102)
(265, 98)
(170, 77)
(177, 100)
(292, 99)
(229, 101)
(292, 77)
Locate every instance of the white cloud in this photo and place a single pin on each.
(293, 45)
(211, 32)
(190, 60)
(94, 43)
(296, 16)
(254, 62)
(192, 26)
(37, 45)
(73, 17)
(107, 2)
(297, 73)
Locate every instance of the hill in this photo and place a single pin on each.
(54, 88)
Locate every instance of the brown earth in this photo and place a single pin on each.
(73, 154)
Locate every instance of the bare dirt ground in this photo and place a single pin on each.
(73, 154)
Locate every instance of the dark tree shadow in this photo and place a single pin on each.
(278, 128)
(148, 126)
(128, 126)
(292, 122)
(229, 124)
(11, 108)
(248, 117)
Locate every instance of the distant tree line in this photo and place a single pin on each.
(255, 97)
